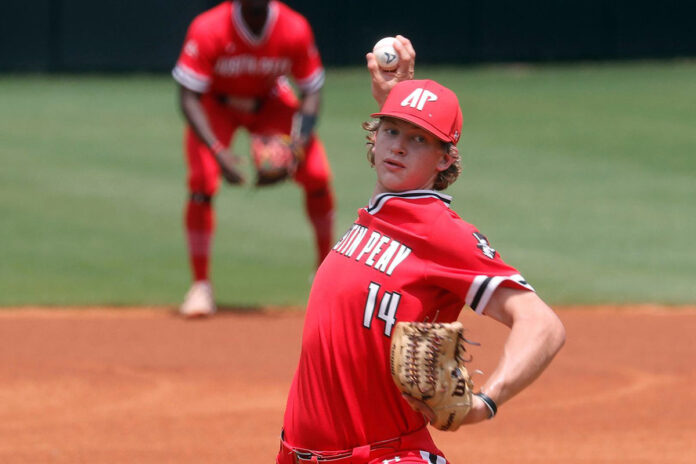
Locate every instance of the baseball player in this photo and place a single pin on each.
(407, 257)
(232, 72)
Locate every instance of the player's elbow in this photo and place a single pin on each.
(188, 96)
(549, 329)
(552, 328)
(555, 333)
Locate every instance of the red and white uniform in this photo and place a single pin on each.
(221, 54)
(225, 62)
(221, 57)
(408, 257)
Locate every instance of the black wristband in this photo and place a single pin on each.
(308, 123)
(304, 123)
(492, 407)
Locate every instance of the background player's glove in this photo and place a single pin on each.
(275, 158)
(427, 364)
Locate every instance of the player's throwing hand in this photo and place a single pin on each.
(383, 81)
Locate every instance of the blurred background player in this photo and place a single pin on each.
(232, 73)
(407, 257)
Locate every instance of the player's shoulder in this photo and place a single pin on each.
(461, 237)
(211, 20)
(291, 20)
(288, 13)
(448, 221)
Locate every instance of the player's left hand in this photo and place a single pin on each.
(383, 81)
(419, 406)
(298, 144)
(427, 364)
(275, 158)
(478, 412)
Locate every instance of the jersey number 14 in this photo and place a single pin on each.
(387, 308)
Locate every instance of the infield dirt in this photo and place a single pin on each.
(141, 385)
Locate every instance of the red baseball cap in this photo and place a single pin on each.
(426, 104)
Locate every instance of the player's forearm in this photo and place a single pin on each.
(194, 113)
(535, 337)
(311, 103)
(306, 118)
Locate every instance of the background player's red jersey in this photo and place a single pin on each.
(408, 257)
(221, 55)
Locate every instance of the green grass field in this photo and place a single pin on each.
(582, 176)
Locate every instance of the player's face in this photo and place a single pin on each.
(407, 157)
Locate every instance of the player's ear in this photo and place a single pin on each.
(447, 159)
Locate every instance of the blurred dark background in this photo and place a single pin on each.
(146, 35)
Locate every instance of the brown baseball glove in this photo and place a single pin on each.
(427, 364)
(275, 158)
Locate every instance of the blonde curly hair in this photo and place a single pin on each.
(444, 178)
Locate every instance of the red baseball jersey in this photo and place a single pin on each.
(221, 55)
(408, 257)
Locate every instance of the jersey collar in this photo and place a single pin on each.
(380, 200)
(244, 31)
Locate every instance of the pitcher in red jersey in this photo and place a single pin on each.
(407, 257)
(232, 72)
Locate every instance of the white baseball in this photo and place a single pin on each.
(387, 58)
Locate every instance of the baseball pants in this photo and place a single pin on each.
(404, 449)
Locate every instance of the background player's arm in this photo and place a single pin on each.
(191, 107)
(536, 335)
(308, 73)
(306, 117)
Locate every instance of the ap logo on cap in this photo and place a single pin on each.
(418, 98)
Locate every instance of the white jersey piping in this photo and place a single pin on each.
(380, 200)
(483, 286)
(190, 79)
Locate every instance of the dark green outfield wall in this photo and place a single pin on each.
(145, 35)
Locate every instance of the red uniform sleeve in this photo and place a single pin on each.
(466, 264)
(194, 68)
(307, 69)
